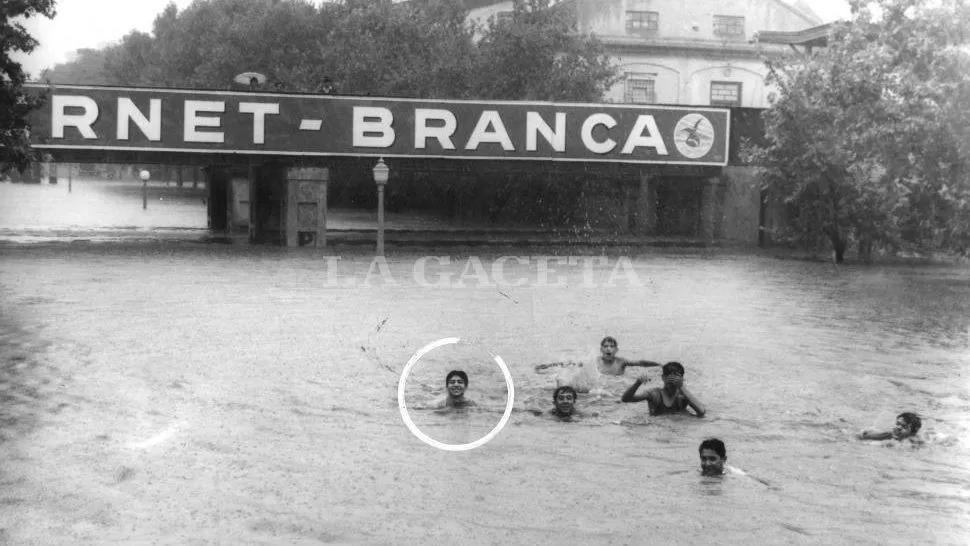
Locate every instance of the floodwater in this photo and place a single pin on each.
(220, 394)
(30, 211)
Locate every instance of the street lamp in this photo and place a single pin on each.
(381, 173)
(144, 175)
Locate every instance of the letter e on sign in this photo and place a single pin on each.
(193, 121)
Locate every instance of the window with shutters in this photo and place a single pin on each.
(640, 88)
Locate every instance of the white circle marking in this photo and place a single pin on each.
(402, 405)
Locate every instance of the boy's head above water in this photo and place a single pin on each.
(907, 424)
(456, 381)
(608, 346)
(672, 375)
(713, 455)
(564, 399)
(672, 368)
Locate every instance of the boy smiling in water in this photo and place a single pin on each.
(564, 400)
(564, 406)
(456, 382)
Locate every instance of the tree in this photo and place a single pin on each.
(210, 41)
(867, 139)
(539, 55)
(87, 67)
(419, 48)
(15, 104)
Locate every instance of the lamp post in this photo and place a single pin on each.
(144, 175)
(381, 173)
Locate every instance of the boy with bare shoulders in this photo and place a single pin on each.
(456, 382)
(673, 397)
(907, 427)
(607, 363)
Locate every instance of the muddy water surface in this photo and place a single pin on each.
(181, 394)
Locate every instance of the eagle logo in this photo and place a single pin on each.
(694, 136)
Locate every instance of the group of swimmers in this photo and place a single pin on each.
(671, 398)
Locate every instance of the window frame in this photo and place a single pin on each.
(738, 85)
(650, 20)
(630, 78)
(734, 20)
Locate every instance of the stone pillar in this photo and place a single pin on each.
(217, 200)
(647, 204)
(630, 194)
(709, 208)
(306, 206)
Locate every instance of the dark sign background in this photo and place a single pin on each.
(283, 135)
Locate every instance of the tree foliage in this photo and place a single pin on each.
(14, 103)
(538, 55)
(87, 65)
(419, 48)
(868, 138)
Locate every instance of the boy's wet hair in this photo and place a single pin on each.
(459, 373)
(911, 419)
(672, 367)
(565, 388)
(610, 339)
(715, 445)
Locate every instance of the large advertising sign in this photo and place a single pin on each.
(174, 120)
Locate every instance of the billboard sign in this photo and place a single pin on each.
(196, 121)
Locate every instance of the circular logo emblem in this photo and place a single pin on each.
(694, 136)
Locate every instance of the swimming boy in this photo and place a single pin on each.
(564, 402)
(713, 456)
(907, 425)
(673, 397)
(456, 382)
(608, 362)
(714, 461)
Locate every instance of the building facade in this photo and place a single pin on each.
(703, 52)
(699, 53)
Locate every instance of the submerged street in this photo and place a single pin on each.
(192, 393)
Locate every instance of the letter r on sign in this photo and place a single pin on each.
(61, 119)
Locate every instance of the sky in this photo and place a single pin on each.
(95, 23)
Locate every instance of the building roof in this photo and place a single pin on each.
(475, 4)
(809, 37)
(802, 9)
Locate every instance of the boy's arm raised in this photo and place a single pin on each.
(875, 435)
(644, 363)
(540, 367)
(631, 393)
(694, 402)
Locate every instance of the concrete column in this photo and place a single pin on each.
(306, 204)
(708, 208)
(647, 204)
